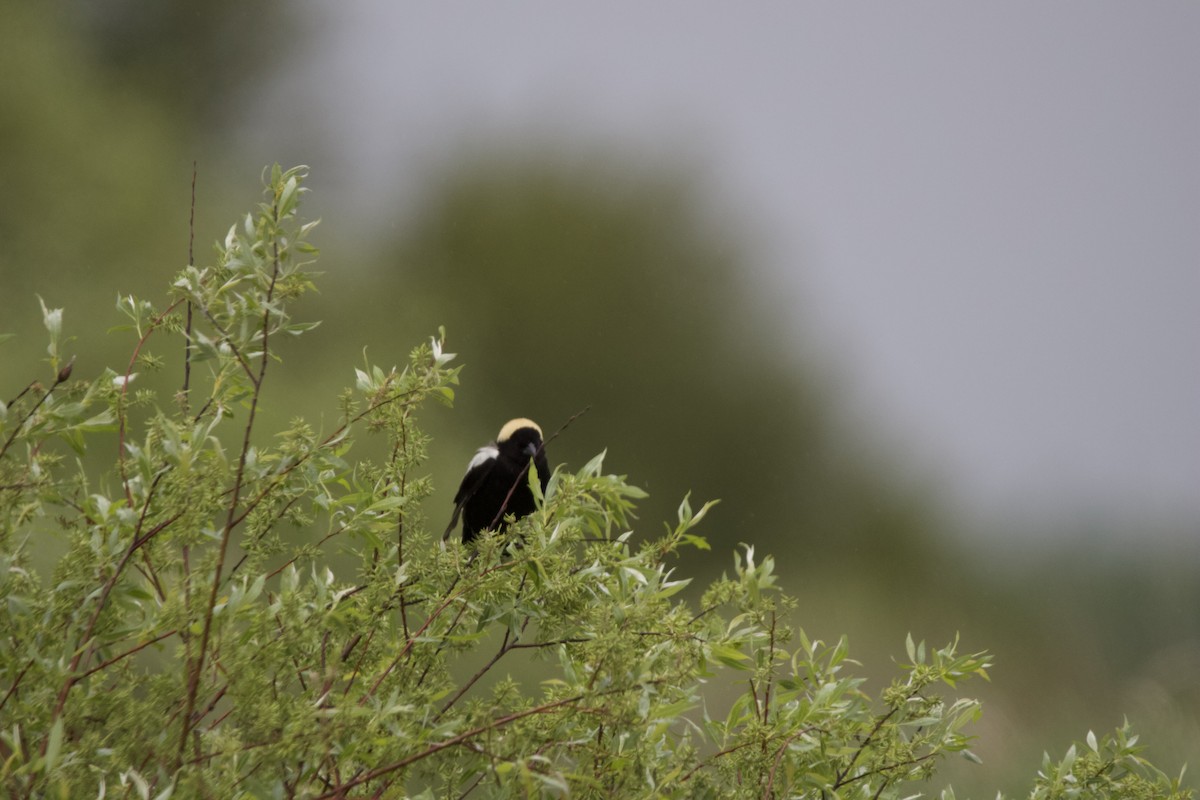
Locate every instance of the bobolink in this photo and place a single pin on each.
(499, 471)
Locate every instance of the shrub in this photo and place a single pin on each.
(195, 640)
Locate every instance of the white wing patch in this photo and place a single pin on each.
(482, 456)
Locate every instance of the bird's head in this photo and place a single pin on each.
(519, 438)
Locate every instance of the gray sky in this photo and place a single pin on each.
(986, 214)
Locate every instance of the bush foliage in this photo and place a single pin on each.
(233, 612)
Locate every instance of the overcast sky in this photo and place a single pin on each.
(988, 214)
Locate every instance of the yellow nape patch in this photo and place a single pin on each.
(514, 425)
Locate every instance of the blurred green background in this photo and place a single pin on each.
(571, 273)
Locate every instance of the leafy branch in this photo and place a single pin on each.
(248, 615)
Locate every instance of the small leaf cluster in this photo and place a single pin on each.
(244, 613)
(1108, 767)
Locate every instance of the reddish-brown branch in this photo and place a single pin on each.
(358, 664)
(131, 651)
(402, 443)
(125, 388)
(509, 643)
(60, 378)
(767, 793)
(688, 775)
(862, 747)
(505, 646)
(105, 591)
(278, 516)
(453, 741)
(885, 768)
(437, 612)
(187, 331)
(226, 535)
(520, 645)
(770, 673)
(16, 683)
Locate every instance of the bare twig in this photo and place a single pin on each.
(536, 645)
(61, 377)
(908, 762)
(505, 646)
(151, 575)
(402, 443)
(126, 654)
(688, 775)
(226, 535)
(358, 664)
(767, 793)
(770, 673)
(16, 682)
(157, 321)
(266, 527)
(187, 331)
(105, 591)
(23, 392)
(841, 778)
(451, 598)
(699, 614)
(453, 741)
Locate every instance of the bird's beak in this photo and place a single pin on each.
(531, 449)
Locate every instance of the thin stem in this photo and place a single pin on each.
(505, 646)
(687, 776)
(841, 778)
(266, 528)
(908, 762)
(509, 643)
(23, 392)
(401, 444)
(125, 388)
(534, 645)
(228, 340)
(226, 535)
(770, 673)
(121, 656)
(59, 378)
(105, 591)
(187, 331)
(500, 722)
(768, 792)
(16, 683)
(358, 664)
(412, 640)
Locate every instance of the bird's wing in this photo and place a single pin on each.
(477, 471)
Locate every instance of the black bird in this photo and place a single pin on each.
(499, 471)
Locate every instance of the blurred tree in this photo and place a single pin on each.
(605, 284)
(601, 282)
(597, 281)
(195, 57)
(103, 109)
(79, 161)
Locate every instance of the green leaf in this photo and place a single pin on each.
(592, 468)
(685, 511)
(729, 656)
(54, 744)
